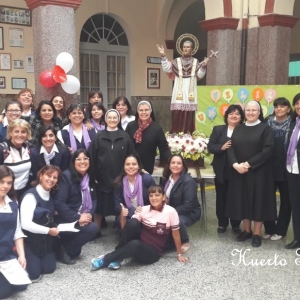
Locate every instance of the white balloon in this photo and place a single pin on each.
(72, 85)
(65, 60)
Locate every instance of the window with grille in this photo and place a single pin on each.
(104, 55)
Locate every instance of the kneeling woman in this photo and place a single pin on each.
(181, 192)
(75, 201)
(37, 219)
(11, 235)
(131, 187)
(145, 235)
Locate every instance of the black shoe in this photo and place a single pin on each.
(221, 229)
(256, 241)
(236, 230)
(64, 257)
(293, 245)
(103, 223)
(244, 236)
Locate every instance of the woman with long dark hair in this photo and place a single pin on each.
(131, 187)
(49, 151)
(122, 105)
(11, 235)
(45, 115)
(181, 193)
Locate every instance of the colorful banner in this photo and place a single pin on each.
(214, 100)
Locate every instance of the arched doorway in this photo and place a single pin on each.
(104, 58)
(188, 23)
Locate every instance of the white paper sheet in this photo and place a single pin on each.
(13, 272)
(68, 227)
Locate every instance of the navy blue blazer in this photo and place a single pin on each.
(147, 181)
(183, 196)
(3, 131)
(80, 145)
(68, 199)
(61, 160)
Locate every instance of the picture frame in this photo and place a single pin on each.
(29, 62)
(2, 82)
(15, 15)
(1, 39)
(153, 78)
(18, 83)
(18, 64)
(5, 61)
(16, 37)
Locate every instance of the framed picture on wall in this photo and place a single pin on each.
(2, 82)
(1, 39)
(18, 83)
(16, 37)
(15, 15)
(18, 64)
(153, 78)
(5, 61)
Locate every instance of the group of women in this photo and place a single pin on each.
(79, 169)
(253, 159)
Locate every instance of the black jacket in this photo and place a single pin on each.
(183, 196)
(152, 138)
(108, 151)
(61, 159)
(68, 199)
(217, 139)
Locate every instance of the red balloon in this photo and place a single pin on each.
(46, 79)
(59, 74)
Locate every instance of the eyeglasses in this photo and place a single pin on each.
(144, 110)
(14, 111)
(251, 110)
(82, 159)
(112, 118)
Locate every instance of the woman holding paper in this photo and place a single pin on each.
(11, 235)
(75, 201)
(37, 220)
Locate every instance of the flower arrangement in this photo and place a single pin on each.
(192, 146)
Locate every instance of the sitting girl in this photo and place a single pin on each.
(145, 235)
(131, 187)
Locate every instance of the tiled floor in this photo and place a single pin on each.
(216, 271)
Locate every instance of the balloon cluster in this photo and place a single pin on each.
(69, 83)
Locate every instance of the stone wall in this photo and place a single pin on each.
(161, 106)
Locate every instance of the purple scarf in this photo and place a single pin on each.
(97, 126)
(85, 135)
(86, 195)
(293, 143)
(137, 191)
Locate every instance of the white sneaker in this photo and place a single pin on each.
(266, 236)
(276, 237)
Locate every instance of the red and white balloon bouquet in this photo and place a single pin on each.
(64, 63)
